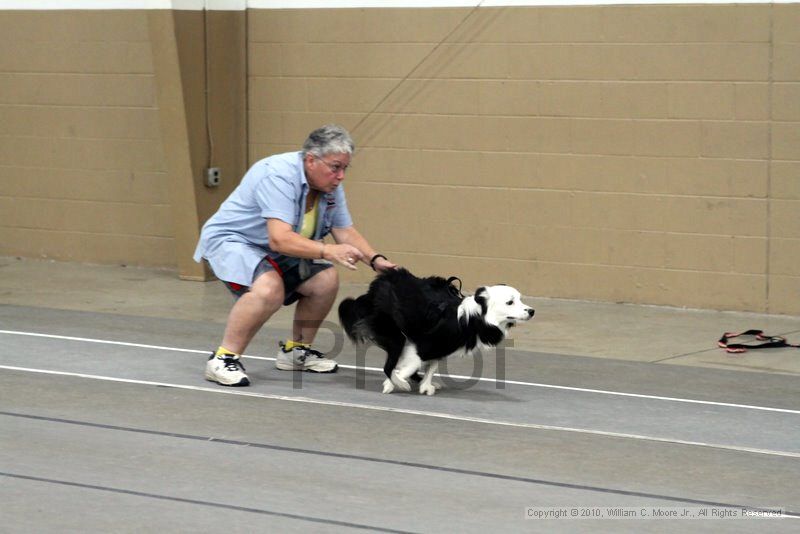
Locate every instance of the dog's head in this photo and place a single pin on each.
(502, 306)
(498, 308)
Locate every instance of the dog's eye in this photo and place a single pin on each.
(510, 302)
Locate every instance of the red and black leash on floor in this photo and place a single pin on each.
(764, 341)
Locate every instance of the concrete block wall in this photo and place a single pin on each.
(784, 213)
(81, 156)
(639, 153)
(624, 153)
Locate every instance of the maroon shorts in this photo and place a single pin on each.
(293, 271)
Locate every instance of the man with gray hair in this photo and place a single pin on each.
(265, 243)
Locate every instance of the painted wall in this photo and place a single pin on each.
(110, 118)
(81, 156)
(638, 153)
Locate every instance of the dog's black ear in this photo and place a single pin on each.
(482, 298)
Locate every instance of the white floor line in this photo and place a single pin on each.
(439, 415)
(459, 377)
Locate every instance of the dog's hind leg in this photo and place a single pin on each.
(388, 387)
(392, 357)
(408, 364)
(427, 386)
(393, 352)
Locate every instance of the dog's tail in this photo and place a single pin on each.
(353, 315)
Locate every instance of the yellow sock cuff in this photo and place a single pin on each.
(222, 351)
(289, 345)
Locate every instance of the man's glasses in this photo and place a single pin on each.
(335, 167)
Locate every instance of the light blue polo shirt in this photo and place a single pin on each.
(234, 240)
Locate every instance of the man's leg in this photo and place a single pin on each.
(252, 310)
(316, 296)
(248, 315)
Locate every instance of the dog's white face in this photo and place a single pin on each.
(505, 307)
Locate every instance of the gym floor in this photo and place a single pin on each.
(607, 414)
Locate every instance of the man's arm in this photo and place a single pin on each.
(284, 240)
(351, 236)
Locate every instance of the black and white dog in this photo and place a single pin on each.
(419, 321)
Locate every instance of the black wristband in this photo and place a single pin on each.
(375, 257)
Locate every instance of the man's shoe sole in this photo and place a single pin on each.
(241, 383)
(290, 367)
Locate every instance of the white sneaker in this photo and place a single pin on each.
(304, 359)
(226, 370)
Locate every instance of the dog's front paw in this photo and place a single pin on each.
(400, 383)
(388, 387)
(427, 389)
